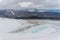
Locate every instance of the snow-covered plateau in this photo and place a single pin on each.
(19, 29)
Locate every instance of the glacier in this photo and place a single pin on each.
(37, 29)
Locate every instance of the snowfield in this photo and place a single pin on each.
(19, 29)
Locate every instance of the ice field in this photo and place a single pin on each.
(19, 29)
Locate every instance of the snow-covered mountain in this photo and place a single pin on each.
(29, 13)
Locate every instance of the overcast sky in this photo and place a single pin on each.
(17, 4)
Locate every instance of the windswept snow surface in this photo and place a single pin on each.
(37, 29)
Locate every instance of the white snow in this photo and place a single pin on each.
(44, 30)
(7, 25)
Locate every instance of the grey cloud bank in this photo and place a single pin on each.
(14, 4)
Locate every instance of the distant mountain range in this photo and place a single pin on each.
(30, 13)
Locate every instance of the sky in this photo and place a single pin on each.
(40, 4)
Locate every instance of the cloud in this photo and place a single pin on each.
(29, 4)
(44, 4)
(0, 0)
(50, 3)
(26, 4)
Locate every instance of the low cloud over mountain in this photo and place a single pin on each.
(17, 4)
